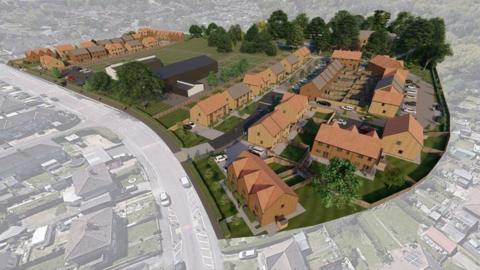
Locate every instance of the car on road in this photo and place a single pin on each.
(247, 254)
(256, 150)
(324, 103)
(221, 158)
(341, 121)
(185, 182)
(347, 108)
(164, 199)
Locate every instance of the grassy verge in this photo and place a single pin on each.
(419, 71)
(155, 107)
(438, 142)
(249, 109)
(228, 124)
(293, 153)
(372, 191)
(174, 117)
(188, 138)
(294, 180)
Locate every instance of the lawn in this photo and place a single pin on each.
(24, 207)
(53, 263)
(132, 179)
(322, 116)
(228, 124)
(278, 168)
(419, 71)
(308, 133)
(41, 180)
(249, 109)
(413, 170)
(316, 167)
(155, 107)
(188, 138)
(293, 153)
(239, 229)
(294, 180)
(315, 211)
(143, 230)
(438, 142)
(170, 119)
(211, 174)
(372, 191)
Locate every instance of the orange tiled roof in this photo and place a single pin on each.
(350, 139)
(256, 79)
(262, 183)
(213, 103)
(274, 122)
(399, 74)
(297, 102)
(64, 47)
(348, 55)
(388, 96)
(87, 44)
(149, 40)
(39, 50)
(404, 123)
(386, 62)
(303, 51)
(47, 60)
(113, 46)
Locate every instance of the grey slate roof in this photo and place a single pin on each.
(91, 179)
(127, 38)
(390, 80)
(277, 68)
(9, 104)
(181, 67)
(117, 40)
(90, 233)
(292, 59)
(328, 74)
(103, 41)
(238, 90)
(134, 42)
(290, 258)
(95, 49)
(80, 51)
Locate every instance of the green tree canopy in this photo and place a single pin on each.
(319, 33)
(302, 20)
(252, 33)
(137, 82)
(196, 31)
(294, 35)
(377, 22)
(211, 27)
(277, 24)
(394, 177)
(378, 43)
(399, 24)
(100, 81)
(337, 185)
(345, 30)
(235, 32)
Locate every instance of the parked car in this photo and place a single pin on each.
(410, 86)
(410, 104)
(324, 103)
(247, 254)
(221, 158)
(341, 121)
(411, 95)
(347, 108)
(364, 129)
(164, 199)
(185, 182)
(187, 127)
(256, 150)
(409, 110)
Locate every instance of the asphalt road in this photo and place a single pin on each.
(198, 243)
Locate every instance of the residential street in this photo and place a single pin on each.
(198, 246)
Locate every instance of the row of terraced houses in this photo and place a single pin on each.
(92, 50)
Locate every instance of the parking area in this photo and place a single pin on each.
(423, 103)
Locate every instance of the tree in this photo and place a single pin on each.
(394, 177)
(252, 33)
(345, 30)
(235, 32)
(277, 24)
(196, 31)
(224, 42)
(319, 33)
(378, 43)
(294, 35)
(302, 20)
(100, 81)
(56, 72)
(378, 21)
(270, 49)
(211, 27)
(399, 24)
(137, 82)
(212, 79)
(337, 185)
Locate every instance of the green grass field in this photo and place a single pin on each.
(372, 191)
(228, 124)
(439, 142)
(188, 49)
(307, 136)
(315, 211)
(278, 168)
(249, 109)
(188, 138)
(174, 117)
(293, 153)
(155, 107)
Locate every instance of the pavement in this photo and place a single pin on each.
(207, 132)
(198, 245)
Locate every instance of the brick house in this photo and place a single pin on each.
(238, 95)
(64, 49)
(383, 64)
(388, 94)
(403, 138)
(256, 82)
(320, 85)
(350, 59)
(97, 52)
(261, 189)
(115, 49)
(80, 55)
(210, 111)
(303, 54)
(270, 130)
(133, 46)
(362, 150)
(293, 106)
(290, 63)
(35, 54)
(49, 63)
(150, 42)
(87, 44)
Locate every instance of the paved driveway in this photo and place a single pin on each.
(206, 132)
(425, 100)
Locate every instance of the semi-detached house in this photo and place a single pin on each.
(293, 106)
(270, 130)
(388, 94)
(238, 96)
(350, 59)
(256, 82)
(210, 111)
(403, 138)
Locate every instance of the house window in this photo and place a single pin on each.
(198, 114)
(282, 206)
(383, 104)
(400, 152)
(325, 154)
(258, 133)
(317, 150)
(261, 142)
(369, 159)
(384, 111)
(398, 142)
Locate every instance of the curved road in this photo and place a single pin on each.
(186, 230)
